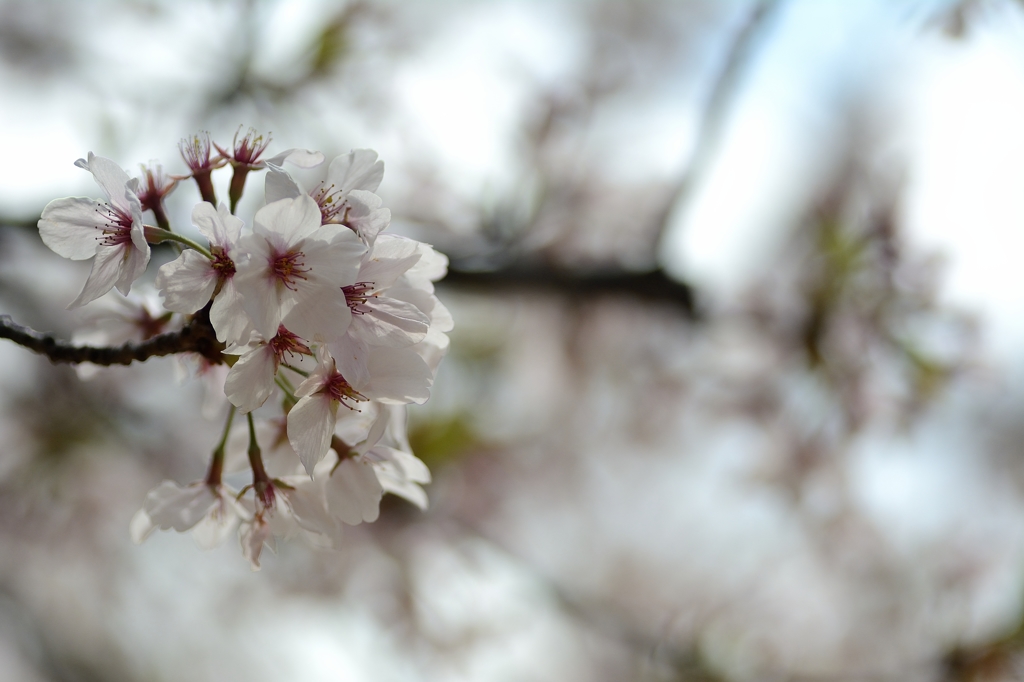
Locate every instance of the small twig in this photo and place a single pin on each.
(195, 337)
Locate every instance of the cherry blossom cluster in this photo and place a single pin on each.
(326, 327)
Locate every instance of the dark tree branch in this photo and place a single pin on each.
(195, 337)
(653, 286)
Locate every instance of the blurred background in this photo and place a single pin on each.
(737, 381)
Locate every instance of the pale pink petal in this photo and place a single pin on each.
(187, 283)
(390, 322)
(217, 224)
(259, 293)
(333, 263)
(133, 264)
(140, 527)
(351, 356)
(251, 379)
(220, 521)
(109, 176)
(359, 169)
(280, 185)
(228, 316)
(300, 158)
(106, 271)
(397, 376)
(320, 317)
(365, 215)
(171, 506)
(353, 492)
(292, 219)
(309, 507)
(253, 536)
(310, 427)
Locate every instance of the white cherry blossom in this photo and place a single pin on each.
(188, 282)
(345, 197)
(112, 232)
(295, 270)
(251, 379)
(384, 374)
(211, 512)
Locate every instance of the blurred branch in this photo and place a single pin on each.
(197, 336)
(654, 285)
(723, 89)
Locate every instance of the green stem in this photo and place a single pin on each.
(155, 235)
(217, 460)
(298, 371)
(289, 391)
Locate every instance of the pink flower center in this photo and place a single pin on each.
(249, 148)
(196, 153)
(356, 296)
(326, 198)
(288, 268)
(287, 343)
(119, 226)
(222, 263)
(340, 390)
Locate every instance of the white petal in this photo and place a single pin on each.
(141, 527)
(106, 271)
(365, 215)
(219, 522)
(133, 264)
(73, 227)
(252, 536)
(280, 185)
(390, 259)
(310, 427)
(300, 158)
(171, 506)
(110, 177)
(320, 317)
(390, 322)
(228, 316)
(353, 492)
(359, 169)
(432, 266)
(251, 380)
(293, 219)
(438, 315)
(187, 283)
(397, 376)
(218, 225)
(334, 263)
(309, 507)
(260, 295)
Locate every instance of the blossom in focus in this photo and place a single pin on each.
(251, 379)
(188, 282)
(294, 271)
(386, 375)
(345, 197)
(79, 228)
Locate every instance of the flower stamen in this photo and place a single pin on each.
(356, 296)
(288, 268)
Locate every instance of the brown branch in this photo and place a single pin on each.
(195, 337)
